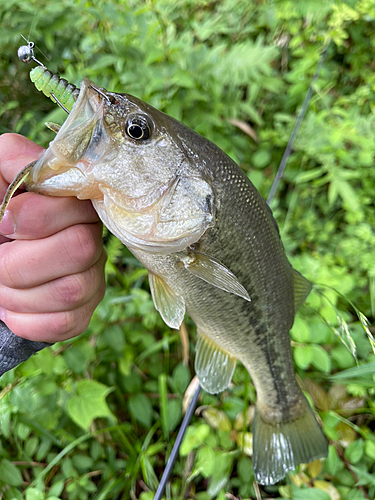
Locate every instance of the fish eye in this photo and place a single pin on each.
(138, 128)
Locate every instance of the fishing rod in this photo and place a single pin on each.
(279, 175)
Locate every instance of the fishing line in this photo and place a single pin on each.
(279, 175)
(296, 127)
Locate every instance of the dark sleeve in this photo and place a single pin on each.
(14, 350)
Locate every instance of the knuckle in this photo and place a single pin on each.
(10, 275)
(71, 290)
(63, 324)
(81, 245)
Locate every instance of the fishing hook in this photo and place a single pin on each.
(60, 103)
(110, 99)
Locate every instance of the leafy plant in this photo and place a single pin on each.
(96, 417)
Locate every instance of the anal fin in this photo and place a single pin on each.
(170, 305)
(213, 366)
(302, 288)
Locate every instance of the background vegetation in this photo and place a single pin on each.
(96, 417)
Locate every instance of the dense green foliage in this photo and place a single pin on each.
(96, 417)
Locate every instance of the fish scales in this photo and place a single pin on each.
(211, 246)
(258, 329)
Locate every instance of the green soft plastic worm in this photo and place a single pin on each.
(48, 83)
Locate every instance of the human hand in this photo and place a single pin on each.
(51, 256)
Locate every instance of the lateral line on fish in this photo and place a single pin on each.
(15, 184)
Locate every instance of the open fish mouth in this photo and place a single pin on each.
(113, 150)
(82, 141)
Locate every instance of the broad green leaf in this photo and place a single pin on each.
(300, 331)
(328, 488)
(174, 407)
(194, 437)
(181, 378)
(89, 403)
(303, 356)
(205, 462)
(309, 494)
(370, 449)
(141, 409)
(333, 463)
(223, 466)
(34, 494)
(9, 473)
(320, 358)
(217, 419)
(354, 451)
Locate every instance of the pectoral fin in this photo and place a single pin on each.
(170, 305)
(302, 288)
(213, 366)
(215, 273)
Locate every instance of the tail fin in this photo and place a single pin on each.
(278, 449)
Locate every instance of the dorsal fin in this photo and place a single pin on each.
(302, 288)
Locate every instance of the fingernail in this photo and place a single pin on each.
(7, 226)
(2, 313)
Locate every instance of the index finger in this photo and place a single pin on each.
(16, 152)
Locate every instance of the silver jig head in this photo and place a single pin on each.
(26, 53)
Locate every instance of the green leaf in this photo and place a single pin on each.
(354, 451)
(141, 409)
(333, 463)
(174, 413)
(357, 372)
(9, 473)
(223, 466)
(34, 494)
(309, 494)
(89, 403)
(309, 175)
(320, 359)
(370, 449)
(205, 462)
(194, 437)
(181, 378)
(261, 158)
(303, 356)
(217, 419)
(300, 331)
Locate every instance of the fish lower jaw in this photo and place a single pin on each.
(69, 181)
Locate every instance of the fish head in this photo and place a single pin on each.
(133, 163)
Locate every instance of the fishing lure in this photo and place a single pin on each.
(12, 188)
(57, 89)
(26, 53)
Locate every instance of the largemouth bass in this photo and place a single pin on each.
(211, 246)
